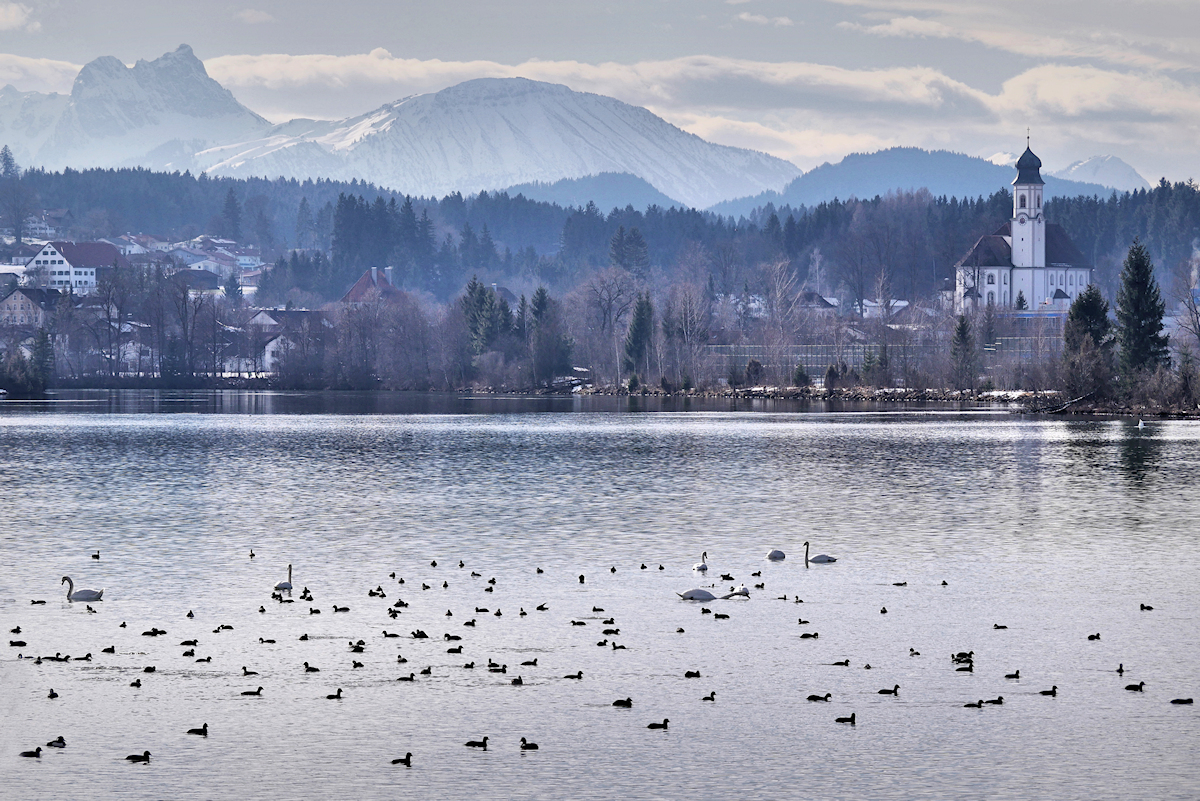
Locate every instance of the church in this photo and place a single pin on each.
(1028, 263)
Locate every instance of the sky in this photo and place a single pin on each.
(808, 80)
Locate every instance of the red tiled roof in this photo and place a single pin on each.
(91, 254)
(368, 282)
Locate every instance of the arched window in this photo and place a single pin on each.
(1022, 201)
(1051, 280)
(1006, 279)
(991, 298)
(991, 278)
(1006, 297)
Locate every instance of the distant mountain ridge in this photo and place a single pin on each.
(492, 133)
(865, 175)
(484, 134)
(607, 190)
(544, 140)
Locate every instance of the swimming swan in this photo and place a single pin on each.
(286, 585)
(703, 565)
(819, 558)
(80, 595)
(705, 595)
(776, 555)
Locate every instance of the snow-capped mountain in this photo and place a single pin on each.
(492, 133)
(1108, 171)
(483, 134)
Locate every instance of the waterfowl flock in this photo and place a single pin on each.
(376, 647)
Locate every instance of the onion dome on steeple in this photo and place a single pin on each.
(1029, 169)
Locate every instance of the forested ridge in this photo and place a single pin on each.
(435, 245)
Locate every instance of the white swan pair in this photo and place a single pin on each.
(80, 595)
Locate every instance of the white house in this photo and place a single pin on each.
(73, 266)
(1027, 259)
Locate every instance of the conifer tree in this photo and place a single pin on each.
(962, 355)
(1140, 310)
(641, 329)
(231, 217)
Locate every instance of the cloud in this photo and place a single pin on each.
(37, 74)
(759, 19)
(252, 16)
(1143, 35)
(14, 16)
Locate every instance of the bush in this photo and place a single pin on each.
(800, 377)
(633, 383)
(756, 374)
(831, 377)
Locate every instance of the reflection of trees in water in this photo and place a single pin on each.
(1087, 447)
(1140, 453)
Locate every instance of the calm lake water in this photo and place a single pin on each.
(1055, 528)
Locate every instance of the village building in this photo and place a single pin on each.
(1026, 260)
(73, 266)
(28, 307)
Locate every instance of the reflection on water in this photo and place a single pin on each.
(1056, 529)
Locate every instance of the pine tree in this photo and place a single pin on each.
(1140, 310)
(306, 229)
(641, 329)
(637, 254)
(1021, 304)
(1087, 346)
(231, 217)
(617, 254)
(962, 355)
(1088, 316)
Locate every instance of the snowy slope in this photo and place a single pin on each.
(493, 133)
(1108, 171)
(27, 120)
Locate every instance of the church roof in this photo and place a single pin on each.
(1029, 169)
(1060, 250)
(989, 251)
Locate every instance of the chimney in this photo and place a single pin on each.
(374, 275)
(387, 273)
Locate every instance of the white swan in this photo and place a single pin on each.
(705, 595)
(1141, 424)
(776, 555)
(285, 585)
(703, 565)
(819, 558)
(80, 595)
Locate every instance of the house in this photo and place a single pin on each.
(200, 281)
(271, 334)
(73, 266)
(28, 307)
(1028, 262)
(373, 283)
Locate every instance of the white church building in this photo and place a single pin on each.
(1027, 260)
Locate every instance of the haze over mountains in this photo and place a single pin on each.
(543, 139)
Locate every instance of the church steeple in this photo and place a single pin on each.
(1028, 222)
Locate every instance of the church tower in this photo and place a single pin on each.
(1028, 221)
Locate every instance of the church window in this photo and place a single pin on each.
(1071, 279)
(1022, 201)
(991, 298)
(991, 278)
(1006, 279)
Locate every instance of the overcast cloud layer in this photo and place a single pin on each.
(807, 81)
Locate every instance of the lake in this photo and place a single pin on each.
(1054, 528)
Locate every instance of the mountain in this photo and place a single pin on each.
(865, 175)
(492, 133)
(608, 190)
(1107, 171)
(153, 114)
